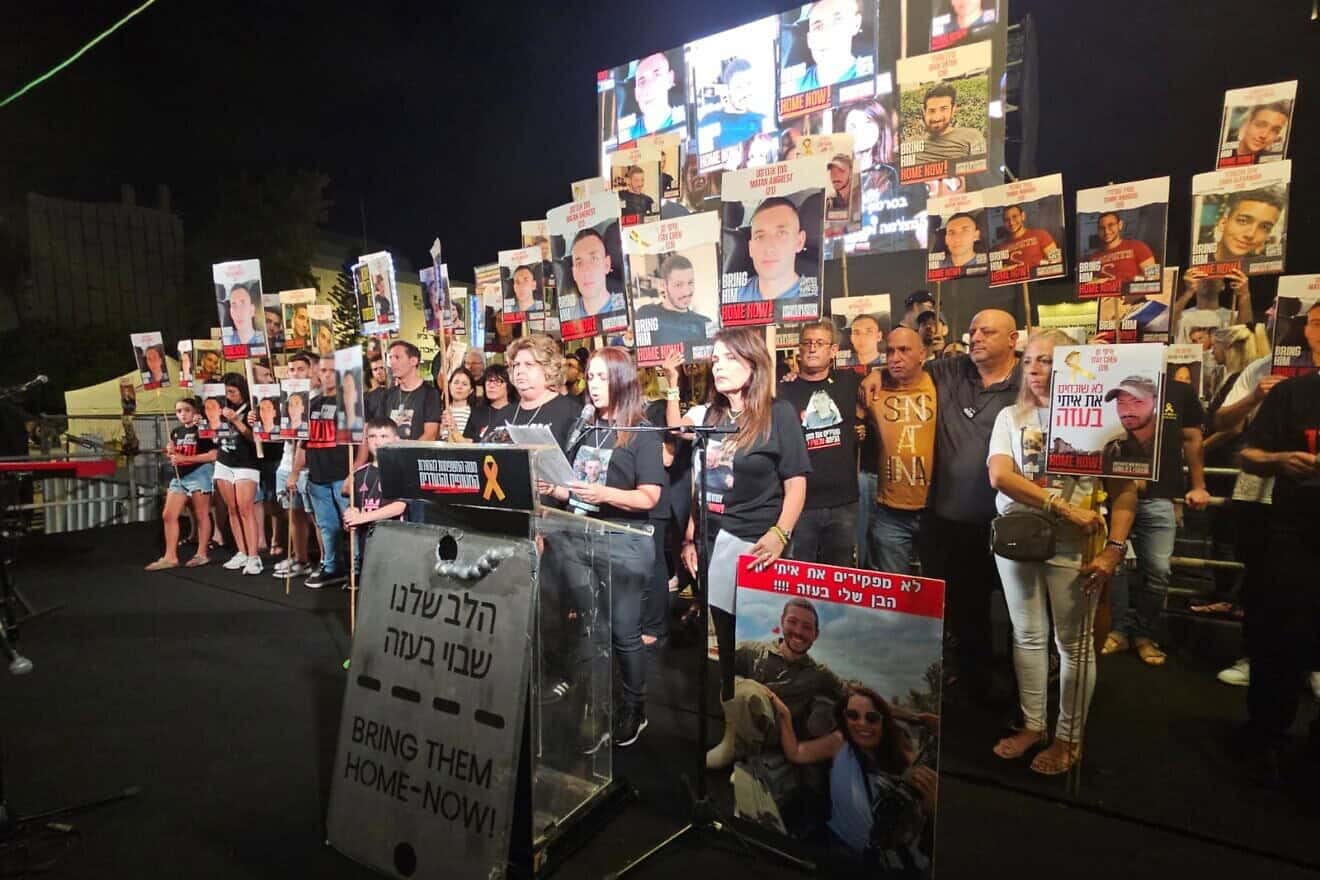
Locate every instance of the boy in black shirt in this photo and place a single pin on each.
(369, 506)
(193, 459)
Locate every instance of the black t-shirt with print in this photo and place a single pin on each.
(483, 417)
(411, 410)
(327, 462)
(1181, 409)
(236, 451)
(745, 498)
(366, 489)
(559, 414)
(373, 404)
(187, 442)
(827, 409)
(636, 463)
(1289, 421)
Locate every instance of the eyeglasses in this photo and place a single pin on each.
(814, 343)
(871, 717)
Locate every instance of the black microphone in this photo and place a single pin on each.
(587, 415)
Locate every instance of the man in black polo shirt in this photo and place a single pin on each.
(826, 402)
(1283, 609)
(954, 543)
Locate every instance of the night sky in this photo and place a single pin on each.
(463, 119)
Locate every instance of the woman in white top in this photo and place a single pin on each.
(456, 417)
(1062, 584)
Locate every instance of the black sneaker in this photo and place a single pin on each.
(555, 691)
(322, 578)
(629, 725)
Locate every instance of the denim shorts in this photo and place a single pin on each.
(197, 481)
(301, 500)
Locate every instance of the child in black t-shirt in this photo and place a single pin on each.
(369, 506)
(193, 459)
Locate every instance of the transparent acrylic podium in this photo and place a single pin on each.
(558, 774)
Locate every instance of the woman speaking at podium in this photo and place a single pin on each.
(755, 481)
(619, 478)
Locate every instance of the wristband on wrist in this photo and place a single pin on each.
(782, 535)
(1117, 545)
(671, 394)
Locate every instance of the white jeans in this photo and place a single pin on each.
(1027, 588)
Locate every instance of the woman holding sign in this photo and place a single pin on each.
(624, 475)
(1063, 586)
(237, 475)
(755, 483)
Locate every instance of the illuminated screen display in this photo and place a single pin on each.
(748, 96)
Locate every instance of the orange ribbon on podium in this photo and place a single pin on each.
(491, 469)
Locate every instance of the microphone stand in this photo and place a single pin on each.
(704, 816)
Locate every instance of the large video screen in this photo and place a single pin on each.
(752, 95)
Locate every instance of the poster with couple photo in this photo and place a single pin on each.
(869, 737)
(1297, 326)
(672, 272)
(588, 262)
(349, 417)
(237, 297)
(295, 396)
(958, 237)
(1024, 220)
(774, 222)
(149, 354)
(1240, 219)
(1257, 124)
(635, 178)
(944, 109)
(266, 404)
(298, 334)
(1106, 403)
(377, 293)
(1121, 231)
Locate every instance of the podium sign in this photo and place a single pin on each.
(424, 779)
(484, 475)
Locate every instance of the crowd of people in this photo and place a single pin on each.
(901, 466)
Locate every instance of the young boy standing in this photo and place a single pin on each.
(370, 506)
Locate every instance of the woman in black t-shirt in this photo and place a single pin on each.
(620, 474)
(501, 398)
(537, 369)
(192, 458)
(755, 482)
(237, 476)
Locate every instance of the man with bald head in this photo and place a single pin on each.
(901, 405)
(955, 535)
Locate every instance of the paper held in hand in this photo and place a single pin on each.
(548, 463)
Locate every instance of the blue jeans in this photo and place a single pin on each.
(893, 539)
(329, 507)
(867, 486)
(1153, 534)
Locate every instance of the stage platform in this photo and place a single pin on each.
(220, 696)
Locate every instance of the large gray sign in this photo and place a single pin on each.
(425, 770)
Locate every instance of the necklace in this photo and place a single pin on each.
(532, 420)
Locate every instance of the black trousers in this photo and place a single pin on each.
(959, 554)
(1283, 614)
(826, 534)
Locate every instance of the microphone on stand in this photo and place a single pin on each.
(39, 379)
(587, 415)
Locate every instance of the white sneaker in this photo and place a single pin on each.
(253, 565)
(237, 561)
(282, 568)
(1239, 674)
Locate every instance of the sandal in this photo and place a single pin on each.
(197, 560)
(1150, 653)
(1115, 643)
(162, 564)
(1065, 755)
(1010, 748)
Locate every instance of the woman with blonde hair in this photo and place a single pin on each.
(1062, 587)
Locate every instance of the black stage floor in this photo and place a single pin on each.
(220, 697)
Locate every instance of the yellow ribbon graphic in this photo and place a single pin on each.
(492, 471)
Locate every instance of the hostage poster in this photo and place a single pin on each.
(588, 264)
(377, 294)
(1257, 124)
(149, 354)
(294, 305)
(237, 295)
(537, 233)
(520, 285)
(1121, 231)
(877, 640)
(773, 218)
(957, 237)
(1240, 219)
(945, 113)
(1105, 411)
(672, 271)
(1297, 326)
(1024, 220)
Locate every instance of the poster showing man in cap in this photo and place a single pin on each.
(1105, 410)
